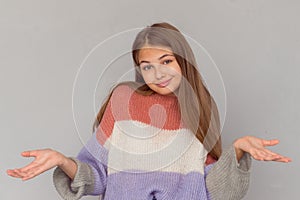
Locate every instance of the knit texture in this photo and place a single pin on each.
(142, 150)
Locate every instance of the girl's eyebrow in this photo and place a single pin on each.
(161, 57)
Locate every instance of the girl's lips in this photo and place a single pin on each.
(164, 84)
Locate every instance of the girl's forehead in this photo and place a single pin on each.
(154, 51)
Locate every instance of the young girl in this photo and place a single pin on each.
(157, 137)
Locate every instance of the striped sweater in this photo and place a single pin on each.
(141, 150)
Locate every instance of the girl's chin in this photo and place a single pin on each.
(164, 91)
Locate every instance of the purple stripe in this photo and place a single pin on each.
(164, 185)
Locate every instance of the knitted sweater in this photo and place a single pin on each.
(141, 150)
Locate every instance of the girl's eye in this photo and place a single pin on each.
(167, 62)
(147, 67)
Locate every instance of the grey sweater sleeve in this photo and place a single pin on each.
(72, 190)
(229, 179)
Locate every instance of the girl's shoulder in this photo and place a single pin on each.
(125, 91)
(122, 90)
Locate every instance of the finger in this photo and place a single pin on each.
(286, 159)
(270, 142)
(29, 153)
(20, 174)
(259, 158)
(13, 174)
(283, 159)
(256, 156)
(278, 158)
(33, 173)
(272, 157)
(29, 166)
(29, 175)
(266, 157)
(270, 152)
(269, 155)
(16, 173)
(262, 154)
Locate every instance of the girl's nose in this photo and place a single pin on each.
(159, 74)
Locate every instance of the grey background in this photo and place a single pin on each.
(255, 45)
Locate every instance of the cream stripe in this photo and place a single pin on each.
(134, 145)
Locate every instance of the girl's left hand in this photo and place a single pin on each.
(256, 148)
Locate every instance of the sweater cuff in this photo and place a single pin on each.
(229, 178)
(244, 164)
(83, 182)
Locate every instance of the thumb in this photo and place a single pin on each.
(270, 142)
(29, 153)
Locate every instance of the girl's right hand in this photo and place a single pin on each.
(45, 159)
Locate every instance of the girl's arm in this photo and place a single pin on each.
(229, 177)
(73, 177)
(85, 174)
(90, 177)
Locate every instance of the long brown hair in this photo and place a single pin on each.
(198, 108)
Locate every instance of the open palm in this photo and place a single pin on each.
(256, 147)
(45, 159)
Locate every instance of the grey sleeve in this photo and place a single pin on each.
(72, 190)
(229, 179)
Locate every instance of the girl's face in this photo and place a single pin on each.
(160, 69)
